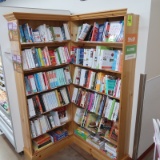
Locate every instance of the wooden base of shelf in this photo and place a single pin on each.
(51, 149)
(48, 151)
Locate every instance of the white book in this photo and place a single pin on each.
(64, 119)
(43, 32)
(49, 34)
(45, 102)
(64, 95)
(32, 82)
(37, 127)
(33, 130)
(25, 63)
(108, 108)
(82, 78)
(86, 57)
(116, 112)
(90, 56)
(47, 123)
(78, 32)
(84, 31)
(49, 102)
(64, 54)
(66, 30)
(67, 75)
(61, 54)
(54, 97)
(30, 59)
(78, 115)
(95, 58)
(31, 107)
(36, 36)
(43, 124)
(75, 91)
(56, 118)
(51, 121)
(77, 74)
(58, 34)
(118, 90)
(56, 56)
(42, 81)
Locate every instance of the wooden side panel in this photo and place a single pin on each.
(127, 87)
(19, 77)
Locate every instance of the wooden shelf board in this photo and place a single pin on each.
(76, 85)
(36, 116)
(99, 43)
(53, 129)
(90, 149)
(48, 90)
(99, 70)
(41, 44)
(42, 69)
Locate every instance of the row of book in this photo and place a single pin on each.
(49, 138)
(43, 33)
(45, 123)
(106, 32)
(37, 57)
(100, 57)
(100, 82)
(39, 104)
(47, 80)
(91, 101)
(97, 142)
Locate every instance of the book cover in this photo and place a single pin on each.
(58, 33)
(95, 31)
(100, 32)
(84, 31)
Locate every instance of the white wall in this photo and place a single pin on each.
(8, 68)
(76, 6)
(151, 107)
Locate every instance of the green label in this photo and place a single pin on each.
(131, 49)
(130, 52)
(129, 20)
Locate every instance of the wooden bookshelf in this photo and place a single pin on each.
(126, 75)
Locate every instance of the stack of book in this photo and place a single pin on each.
(37, 57)
(48, 101)
(100, 82)
(107, 32)
(41, 141)
(47, 80)
(43, 33)
(96, 141)
(100, 58)
(81, 132)
(58, 134)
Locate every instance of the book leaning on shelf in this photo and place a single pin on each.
(43, 33)
(112, 31)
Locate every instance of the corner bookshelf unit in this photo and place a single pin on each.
(127, 46)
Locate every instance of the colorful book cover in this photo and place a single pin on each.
(95, 31)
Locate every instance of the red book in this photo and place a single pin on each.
(52, 57)
(67, 54)
(88, 78)
(39, 104)
(46, 80)
(95, 31)
(41, 139)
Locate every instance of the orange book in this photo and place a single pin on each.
(99, 78)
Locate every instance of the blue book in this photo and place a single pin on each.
(81, 56)
(35, 57)
(27, 32)
(22, 34)
(28, 87)
(115, 61)
(100, 32)
(38, 58)
(36, 82)
(39, 82)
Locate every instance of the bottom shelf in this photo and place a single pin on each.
(49, 149)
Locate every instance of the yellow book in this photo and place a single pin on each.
(99, 78)
(41, 57)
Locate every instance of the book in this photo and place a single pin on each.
(84, 31)
(78, 115)
(95, 31)
(58, 34)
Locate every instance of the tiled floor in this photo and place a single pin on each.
(71, 152)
